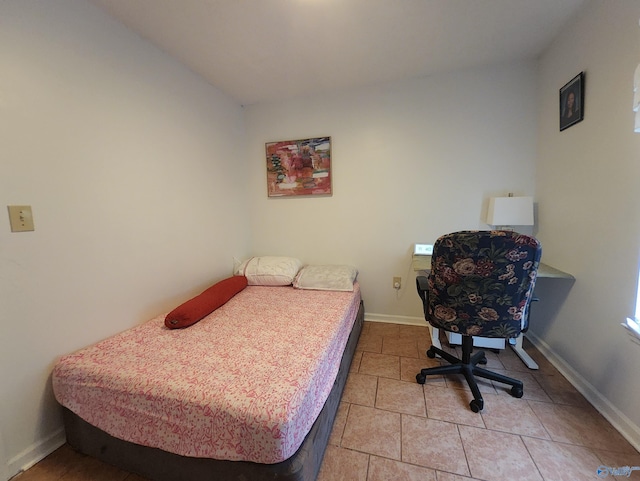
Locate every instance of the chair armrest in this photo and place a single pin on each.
(422, 284)
(525, 324)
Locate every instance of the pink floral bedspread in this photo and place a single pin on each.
(245, 383)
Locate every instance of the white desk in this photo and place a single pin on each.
(422, 266)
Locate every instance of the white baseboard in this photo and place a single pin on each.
(34, 453)
(411, 321)
(618, 420)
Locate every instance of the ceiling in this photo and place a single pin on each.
(270, 50)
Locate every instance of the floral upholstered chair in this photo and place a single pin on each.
(481, 284)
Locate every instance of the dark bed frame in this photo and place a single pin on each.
(160, 465)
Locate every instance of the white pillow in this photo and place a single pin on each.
(269, 270)
(326, 278)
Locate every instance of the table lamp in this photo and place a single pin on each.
(505, 212)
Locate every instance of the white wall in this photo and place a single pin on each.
(138, 174)
(411, 161)
(134, 169)
(589, 223)
(4, 468)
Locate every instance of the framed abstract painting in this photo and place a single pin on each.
(299, 167)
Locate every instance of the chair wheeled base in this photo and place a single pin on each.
(468, 367)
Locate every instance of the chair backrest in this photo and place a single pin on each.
(481, 282)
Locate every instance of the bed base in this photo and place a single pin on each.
(160, 465)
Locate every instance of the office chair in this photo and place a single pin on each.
(481, 284)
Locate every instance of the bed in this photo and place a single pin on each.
(250, 392)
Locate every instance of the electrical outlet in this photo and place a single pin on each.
(397, 283)
(423, 249)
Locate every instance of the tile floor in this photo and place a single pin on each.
(389, 427)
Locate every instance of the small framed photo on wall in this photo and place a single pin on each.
(572, 102)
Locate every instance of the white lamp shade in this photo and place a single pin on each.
(510, 211)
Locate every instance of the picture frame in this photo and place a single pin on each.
(572, 102)
(299, 167)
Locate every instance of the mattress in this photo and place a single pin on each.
(244, 384)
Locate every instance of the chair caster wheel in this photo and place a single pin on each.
(476, 405)
(421, 378)
(431, 354)
(482, 361)
(517, 392)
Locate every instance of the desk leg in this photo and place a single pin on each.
(435, 337)
(516, 345)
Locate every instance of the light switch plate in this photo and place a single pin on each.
(423, 249)
(21, 218)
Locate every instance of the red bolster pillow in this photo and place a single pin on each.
(205, 303)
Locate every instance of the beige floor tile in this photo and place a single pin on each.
(512, 362)
(423, 347)
(560, 390)
(382, 365)
(94, 470)
(369, 342)
(545, 368)
(562, 462)
(36, 473)
(532, 390)
(360, 389)
(338, 424)
(433, 444)
(400, 347)
(496, 456)
(452, 349)
(355, 362)
(409, 367)
(512, 415)
(457, 381)
(442, 476)
(65, 464)
(401, 397)
(381, 469)
(385, 329)
(415, 332)
(451, 405)
(581, 426)
(372, 431)
(53, 466)
(493, 360)
(343, 465)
